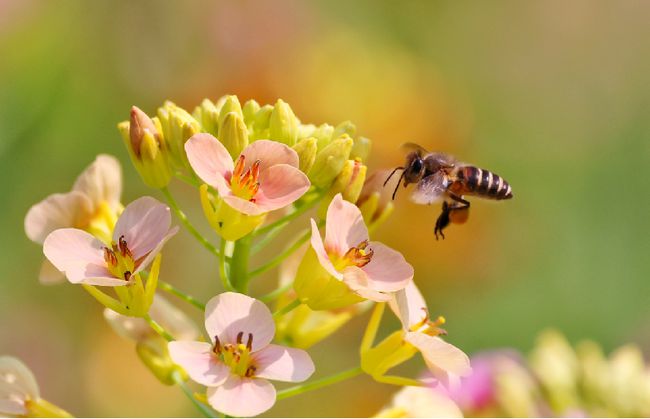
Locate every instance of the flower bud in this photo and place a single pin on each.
(283, 126)
(375, 200)
(147, 148)
(330, 161)
(318, 289)
(261, 122)
(345, 127)
(233, 134)
(208, 116)
(361, 148)
(306, 149)
(250, 109)
(348, 183)
(306, 130)
(231, 104)
(177, 127)
(323, 134)
(226, 221)
(154, 355)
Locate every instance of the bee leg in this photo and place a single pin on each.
(442, 221)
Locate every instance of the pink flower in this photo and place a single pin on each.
(445, 361)
(93, 202)
(140, 233)
(235, 366)
(370, 269)
(264, 178)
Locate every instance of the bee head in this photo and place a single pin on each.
(414, 169)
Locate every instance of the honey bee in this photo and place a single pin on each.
(440, 176)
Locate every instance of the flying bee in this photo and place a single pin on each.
(440, 176)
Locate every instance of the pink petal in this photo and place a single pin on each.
(440, 355)
(244, 397)
(269, 153)
(210, 160)
(409, 306)
(358, 282)
(101, 181)
(243, 206)
(12, 408)
(281, 363)
(388, 270)
(228, 314)
(344, 227)
(151, 255)
(280, 185)
(60, 210)
(199, 361)
(79, 255)
(321, 253)
(144, 224)
(49, 275)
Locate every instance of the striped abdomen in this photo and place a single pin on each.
(481, 182)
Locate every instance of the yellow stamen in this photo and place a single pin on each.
(245, 184)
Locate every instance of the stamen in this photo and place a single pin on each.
(240, 336)
(239, 168)
(124, 249)
(109, 257)
(249, 344)
(250, 371)
(127, 275)
(359, 256)
(217, 345)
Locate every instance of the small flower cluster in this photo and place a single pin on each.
(255, 169)
(555, 380)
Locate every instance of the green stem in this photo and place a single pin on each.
(187, 179)
(239, 264)
(223, 270)
(158, 328)
(206, 411)
(175, 291)
(267, 298)
(286, 309)
(323, 382)
(282, 256)
(183, 218)
(282, 222)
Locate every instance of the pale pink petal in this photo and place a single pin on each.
(439, 354)
(244, 397)
(151, 255)
(76, 253)
(243, 206)
(409, 306)
(321, 253)
(358, 282)
(230, 313)
(12, 407)
(16, 375)
(280, 185)
(49, 275)
(101, 181)
(61, 210)
(144, 224)
(344, 226)
(199, 361)
(211, 161)
(281, 363)
(388, 270)
(269, 153)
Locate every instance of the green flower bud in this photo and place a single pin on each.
(330, 161)
(306, 130)
(324, 135)
(231, 104)
(233, 134)
(177, 127)
(249, 110)
(147, 148)
(261, 123)
(153, 353)
(229, 223)
(207, 113)
(345, 127)
(306, 149)
(361, 148)
(283, 126)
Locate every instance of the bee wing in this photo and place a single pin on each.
(414, 147)
(430, 189)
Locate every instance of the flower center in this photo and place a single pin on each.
(358, 256)
(119, 259)
(429, 327)
(237, 356)
(245, 184)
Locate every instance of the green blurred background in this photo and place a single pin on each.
(553, 95)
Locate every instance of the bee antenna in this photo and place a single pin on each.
(398, 183)
(392, 173)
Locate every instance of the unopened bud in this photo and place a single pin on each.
(345, 127)
(323, 134)
(140, 125)
(283, 126)
(250, 109)
(261, 122)
(233, 134)
(231, 104)
(177, 127)
(348, 183)
(306, 149)
(207, 113)
(361, 149)
(329, 162)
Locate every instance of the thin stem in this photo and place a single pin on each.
(158, 328)
(286, 309)
(183, 218)
(187, 179)
(282, 256)
(223, 273)
(323, 382)
(267, 298)
(261, 244)
(175, 291)
(285, 220)
(207, 412)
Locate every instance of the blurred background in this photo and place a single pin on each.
(554, 96)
